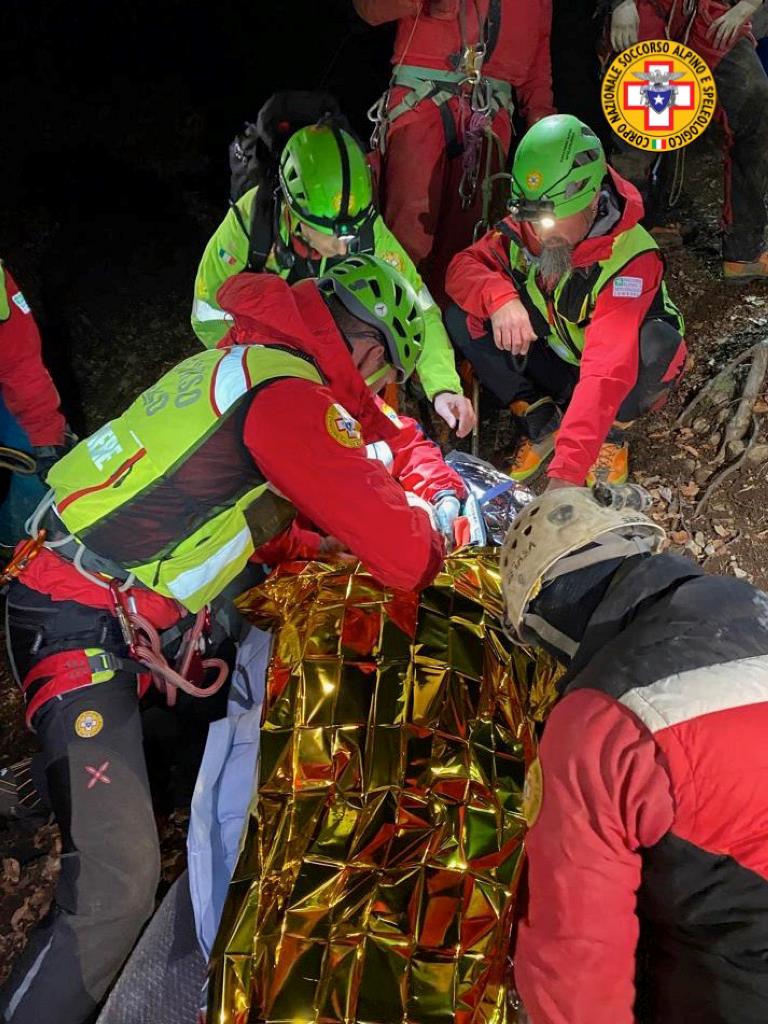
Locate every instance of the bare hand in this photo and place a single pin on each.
(512, 329)
(457, 411)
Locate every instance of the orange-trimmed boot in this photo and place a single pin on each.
(540, 419)
(612, 465)
(737, 272)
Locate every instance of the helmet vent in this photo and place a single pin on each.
(376, 288)
(588, 156)
(397, 323)
(398, 295)
(574, 187)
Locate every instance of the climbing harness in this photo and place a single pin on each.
(480, 99)
(144, 642)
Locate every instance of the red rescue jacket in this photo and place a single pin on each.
(657, 17)
(609, 363)
(428, 33)
(25, 384)
(263, 305)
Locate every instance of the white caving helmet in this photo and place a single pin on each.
(548, 539)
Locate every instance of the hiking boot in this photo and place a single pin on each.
(738, 272)
(612, 465)
(531, 457)
(540, 421)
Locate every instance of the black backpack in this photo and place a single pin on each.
(254, 158)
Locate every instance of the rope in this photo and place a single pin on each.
(147, 649)
(17, 461)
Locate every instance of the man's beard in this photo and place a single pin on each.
(555, 261)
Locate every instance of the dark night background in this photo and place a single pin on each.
(115, 123)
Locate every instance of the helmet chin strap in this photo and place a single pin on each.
(377, 379)
(606, 549)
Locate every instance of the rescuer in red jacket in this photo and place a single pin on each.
(563, 312)
(263, 304)
(648, 805)
(30, 418)
(720, 33)
(219, 448)
(435, 120)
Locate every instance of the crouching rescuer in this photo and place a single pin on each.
(149, 520)
(563, 311)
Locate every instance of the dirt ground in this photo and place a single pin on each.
(115, 316)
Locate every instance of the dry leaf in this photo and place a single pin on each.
(11, 871)
(760, 406)
(690, 490)
(738, 572)
(721, 531)
(691, 450)
(680, 537)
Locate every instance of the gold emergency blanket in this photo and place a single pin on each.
(378, 875)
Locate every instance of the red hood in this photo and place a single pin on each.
(267, 311)
(263, 313)
(591, 250)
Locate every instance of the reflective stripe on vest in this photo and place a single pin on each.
(566, 337)
(163, 489)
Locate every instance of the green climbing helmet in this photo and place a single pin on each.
(326, 180)
(558, 169)
(374, 291)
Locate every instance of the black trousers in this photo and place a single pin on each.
(543, 373)
(742, 89)
(96, 775)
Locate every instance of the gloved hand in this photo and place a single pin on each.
(723, 30)
(416, 502)
(456, 410)
(447, 509)
(625, 25)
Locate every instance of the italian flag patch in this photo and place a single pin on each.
(658, 143)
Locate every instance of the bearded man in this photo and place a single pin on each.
(563, 312)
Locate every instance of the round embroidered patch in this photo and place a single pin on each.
(342, 427)
(89, 724)
(534, 179)
(533, 791)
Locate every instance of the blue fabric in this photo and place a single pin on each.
(24, 492)
(762, 52)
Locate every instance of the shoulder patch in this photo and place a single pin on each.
(533, 792)
(19, 300)
(627, 287)
(342, 427)
(228, 258)
(393, 259)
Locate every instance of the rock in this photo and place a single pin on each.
(700, 425)
(736, 448)
(702, 475)
(758, 454)
(715, 438)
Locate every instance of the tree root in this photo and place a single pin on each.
(724, 474)
(754, 350)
